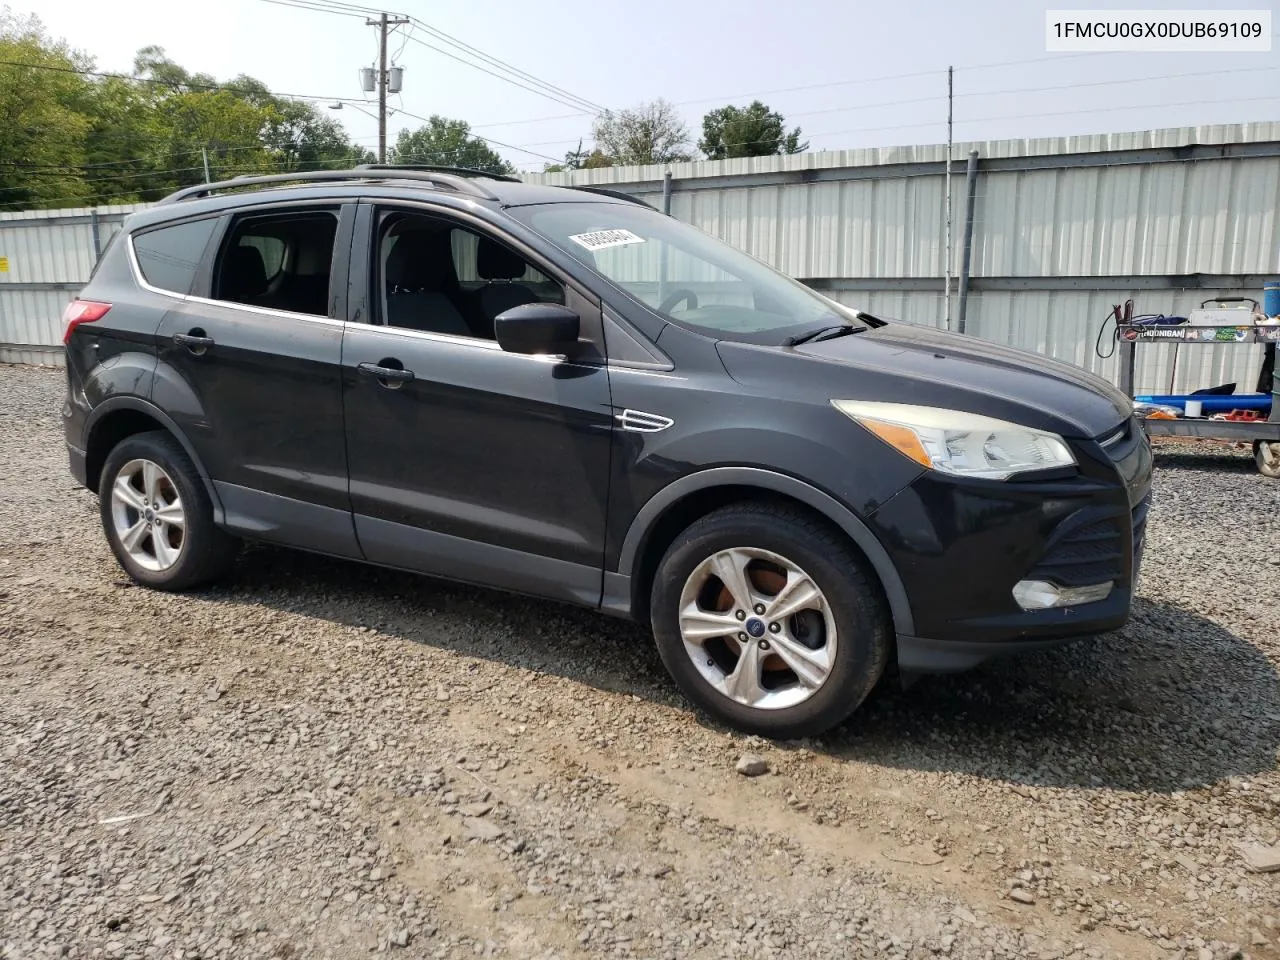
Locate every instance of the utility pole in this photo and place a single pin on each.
(947, 244)
(204, 155)
(383, 23)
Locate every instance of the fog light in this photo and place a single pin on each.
(1041, 595)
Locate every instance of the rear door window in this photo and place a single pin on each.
(278, 261)
(169, 257)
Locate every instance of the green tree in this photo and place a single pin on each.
(649, 133)
(445, 142)
(579, 159)
(301, 139)
(42, 123)
(752, 131)
(68, 137)
(596, 159)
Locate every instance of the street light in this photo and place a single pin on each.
(340, 105)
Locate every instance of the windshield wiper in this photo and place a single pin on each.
(822, 333)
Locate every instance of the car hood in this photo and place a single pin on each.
(904, 363)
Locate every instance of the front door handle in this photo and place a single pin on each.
(195, 341)
(389, 376)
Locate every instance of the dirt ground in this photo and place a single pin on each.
(320, 759)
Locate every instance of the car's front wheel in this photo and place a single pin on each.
(158, 517)
(767, 619)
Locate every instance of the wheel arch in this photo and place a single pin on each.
(118, 418)
(682, 502)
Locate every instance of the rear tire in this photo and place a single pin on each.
(788, 649)
(158, 517)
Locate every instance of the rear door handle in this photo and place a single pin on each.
(195, 341)
(390, 376)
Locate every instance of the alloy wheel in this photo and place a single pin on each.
(758, 628)
(148, 516)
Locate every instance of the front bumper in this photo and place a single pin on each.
(961, 546)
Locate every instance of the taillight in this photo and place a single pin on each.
(82, 311)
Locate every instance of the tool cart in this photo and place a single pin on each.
(1209, 414)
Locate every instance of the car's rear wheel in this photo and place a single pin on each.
(767, 619)
(158, 517)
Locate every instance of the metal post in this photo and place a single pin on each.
(382, 88)
(204, 155)
(1126, 367)
(95, 226)
(971, 185)
(946, 294)
(666, 249)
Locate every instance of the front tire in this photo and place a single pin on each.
(158, 517)
(767, 619)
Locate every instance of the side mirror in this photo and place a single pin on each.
(537, 328)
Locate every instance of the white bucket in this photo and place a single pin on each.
(1195, 408)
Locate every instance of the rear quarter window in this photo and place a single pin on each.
(169, 257)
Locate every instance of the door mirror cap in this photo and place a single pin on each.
(537, 328)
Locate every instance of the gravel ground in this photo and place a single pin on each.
(319, 759)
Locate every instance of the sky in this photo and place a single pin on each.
(850, 74)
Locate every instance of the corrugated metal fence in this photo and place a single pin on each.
(45, 257)
(1063, 229)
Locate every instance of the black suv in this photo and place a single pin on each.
(565, 393)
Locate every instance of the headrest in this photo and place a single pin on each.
(420, 261)
(496, 262)
(245, 272)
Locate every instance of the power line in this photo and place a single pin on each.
(303, 4)
(354, 10)
(932, 123)
(113, 179)
(913, 100)
(1107, 83)
(515, 82)
(510, 73)
(476, 52)
(1134, 106)
(499, 143)
(199, 87)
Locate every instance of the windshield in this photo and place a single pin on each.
(683, 274)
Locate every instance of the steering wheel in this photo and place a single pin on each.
(675, 297)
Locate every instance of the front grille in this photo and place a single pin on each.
(1087, 550)
(1085, 553)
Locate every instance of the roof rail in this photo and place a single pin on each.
(431, 168)
(453, 182)
(617, 195)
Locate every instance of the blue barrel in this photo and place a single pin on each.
(1271, 298)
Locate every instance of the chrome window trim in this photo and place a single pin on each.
(482, 344)
(453, 338)
(475, 342)
(266, 311)
(136, 269)
(619, 368)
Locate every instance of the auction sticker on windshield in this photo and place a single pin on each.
(599, 239)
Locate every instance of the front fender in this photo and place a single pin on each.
(780, 483)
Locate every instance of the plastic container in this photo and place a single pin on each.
(1271, 298)
(1212, 403)
(1194, 408)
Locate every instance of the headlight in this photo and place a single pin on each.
(963, 444)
